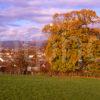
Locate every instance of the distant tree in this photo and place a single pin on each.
(70, 42)
(20, 60)
(25, 58)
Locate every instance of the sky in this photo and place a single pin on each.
(24, 19)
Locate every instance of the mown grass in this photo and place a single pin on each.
(48, 88)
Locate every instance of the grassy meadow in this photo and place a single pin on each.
(48, 88)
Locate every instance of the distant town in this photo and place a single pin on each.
(24, 58)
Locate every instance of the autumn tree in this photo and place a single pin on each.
(70, 40)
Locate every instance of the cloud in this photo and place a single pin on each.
(50, 3)
(17, 17)
(20, 33)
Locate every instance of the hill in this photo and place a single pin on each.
(21, 44)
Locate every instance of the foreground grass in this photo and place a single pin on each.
(48, 88)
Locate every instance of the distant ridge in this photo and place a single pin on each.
(21, 44)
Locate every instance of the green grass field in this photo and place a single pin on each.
(48, 88)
